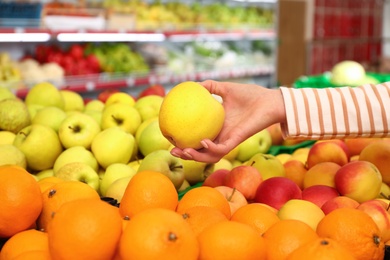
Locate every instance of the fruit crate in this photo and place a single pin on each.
(20, 14)
(324, 80)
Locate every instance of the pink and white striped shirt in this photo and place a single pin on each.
(337, 112)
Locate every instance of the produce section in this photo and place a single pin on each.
(85, 165)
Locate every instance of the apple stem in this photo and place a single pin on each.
(75, 129)
(177, 167)
(231, 195)
(253, 162)
(119, 121)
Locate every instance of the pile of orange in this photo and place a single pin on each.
(52, 219)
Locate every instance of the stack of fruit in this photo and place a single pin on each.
(59, 157)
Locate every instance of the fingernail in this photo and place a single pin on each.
(189, 156)
(204, 144)
(174, 154)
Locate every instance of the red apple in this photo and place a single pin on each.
(104, 95)
(378, 153)
(244, 178)
(319, 194)
(235, 198)
(326, 152)
(217, 178)
(359, 180)
(321, 174)
(296, 171)
(157, 89)
(276, 134)
(339, 202)
(276, 191)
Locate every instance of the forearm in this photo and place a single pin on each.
(337, 112)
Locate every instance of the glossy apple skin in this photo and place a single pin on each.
(339, 202)
(235, 198)
(276, 191)
(321, 174)
(356, 145)
(296, 171)
(359, 180)
(326, 152)
(217, 178)
(378, 153)
(319, 194)
(244, 178)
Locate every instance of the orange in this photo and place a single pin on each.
(20, 200)
(59, 194)
(148, 189)
(158, 233)
(257, 215)
(231, 240)
(24, 241)
(84, 229)
(354, 230)
(34, 255)
(48, 182)
(200, 217)
(285, 236)
(204, 196)
(321, 249)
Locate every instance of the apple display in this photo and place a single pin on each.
(378, 212)
(190, 108)
(284, 157)
(117, 188)
(378, 153)
(50, 116)
(149, 106)
(321, 174)
(94, 105)
(6, 93)
(356, 145)
(276, 191)
(246, 179)
(142, 126)
(44, 94)
(384, 191)
(96, 115)
(232, 155)
(6, 137)
(114, 172)
(121, 115)
(300, 154)
(14, 115)
(113, 145)
(151, 139)
(339, 202)
(44, 174)
(268, 165)
(76, 154)
(217, 178)
(319, 194)
(78, 129)
(302, 210)
(11, 155)
(195, 172)
(184, 186)
(79, 171)
(41, 146)
(295, 170)
(276, 134)
(120, 97)
(260, 142)
(155, 89)
(359, 180)
(73, 101)
(135, 164)
(223, 164)
(162, 161)
(327, 152)
(235, 198)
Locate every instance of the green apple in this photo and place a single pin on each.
(117, 188)
(73, 101)
(135, 164)
(10, 154)
(79, 171)
(97, 115)
(6, 93)
(149, 106)
(151, 139)
(45, 94)
(95, 105)
(44, 174)
(7, 137)
(78, 129)
(195, 172)
(50, 116)
(223, 164)
(33, 109)
(14, 115)
(113, 145)
(184, 186)
(260, 142)
(41, 146)
(142, 126)
(112, 173)
(162, 161)
(268, 165)
(76, 154)
(121, 115)
(120, 97)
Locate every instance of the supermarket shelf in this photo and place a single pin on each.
(20, 34)
(97, 83)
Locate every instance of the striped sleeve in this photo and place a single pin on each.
(337, 112)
